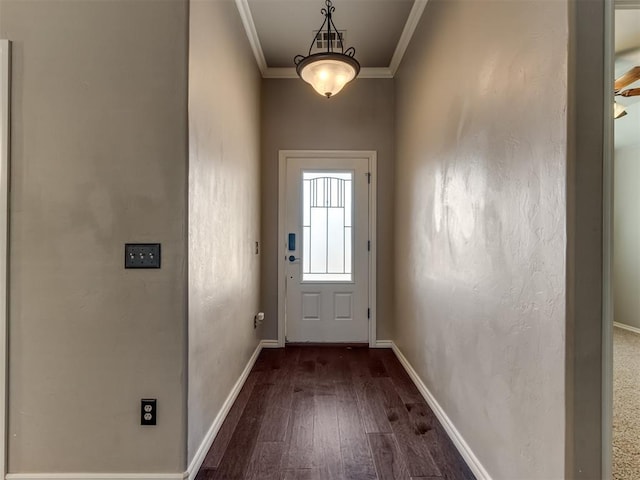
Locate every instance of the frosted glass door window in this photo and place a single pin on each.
(327, 234)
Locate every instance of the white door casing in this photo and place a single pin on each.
(607, 241)
(327, 279)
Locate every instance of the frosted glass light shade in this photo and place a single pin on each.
(328, 73)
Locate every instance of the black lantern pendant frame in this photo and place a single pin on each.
(346, 56)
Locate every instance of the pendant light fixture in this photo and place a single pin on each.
(327, 72)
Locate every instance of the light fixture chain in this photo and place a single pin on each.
(330, 10)
(319, 31)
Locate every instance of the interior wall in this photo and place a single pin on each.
(480, 220)
(99, 136)
(295, 117)
(224, 208)
(584, 315)
(626, 236)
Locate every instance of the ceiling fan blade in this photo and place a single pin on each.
(627, 79)
(632, 92)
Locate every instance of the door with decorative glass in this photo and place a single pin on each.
(327, 249)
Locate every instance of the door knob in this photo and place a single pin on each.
(293, 258)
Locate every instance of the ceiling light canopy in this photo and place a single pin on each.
(328, 71)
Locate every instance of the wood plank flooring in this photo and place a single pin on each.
(322, 413)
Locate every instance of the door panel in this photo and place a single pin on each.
(327, 266)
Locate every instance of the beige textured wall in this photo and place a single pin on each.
(224, 208)
(480, 221)
(626, 236)
(99, 138)
(294, 117)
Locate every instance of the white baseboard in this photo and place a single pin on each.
(270, 344)
(626, 327)
(457, 439)
(96, 476)
(196, 463)
(455, 436)
(198, 458)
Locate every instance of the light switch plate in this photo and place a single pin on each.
(142, 255)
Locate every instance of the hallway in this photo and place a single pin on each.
(163, 121)
(298, 401)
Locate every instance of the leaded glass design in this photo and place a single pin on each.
(327, 233)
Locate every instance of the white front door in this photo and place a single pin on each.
(326, 261)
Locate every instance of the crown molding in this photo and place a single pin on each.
(366, 72)
(273, 72)
(252, 33)
(407, 34)
(627, 4)
(375, 72)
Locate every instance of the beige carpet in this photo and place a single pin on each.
(626, 405)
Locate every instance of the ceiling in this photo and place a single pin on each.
(627, 46)
(379, 30)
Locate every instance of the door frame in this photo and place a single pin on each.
(607, 243)
(283, 156)
(610, 6)
(5, 80)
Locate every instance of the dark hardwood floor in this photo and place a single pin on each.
(322, 413)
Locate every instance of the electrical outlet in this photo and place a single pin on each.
(142, 255)
(148, 411)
